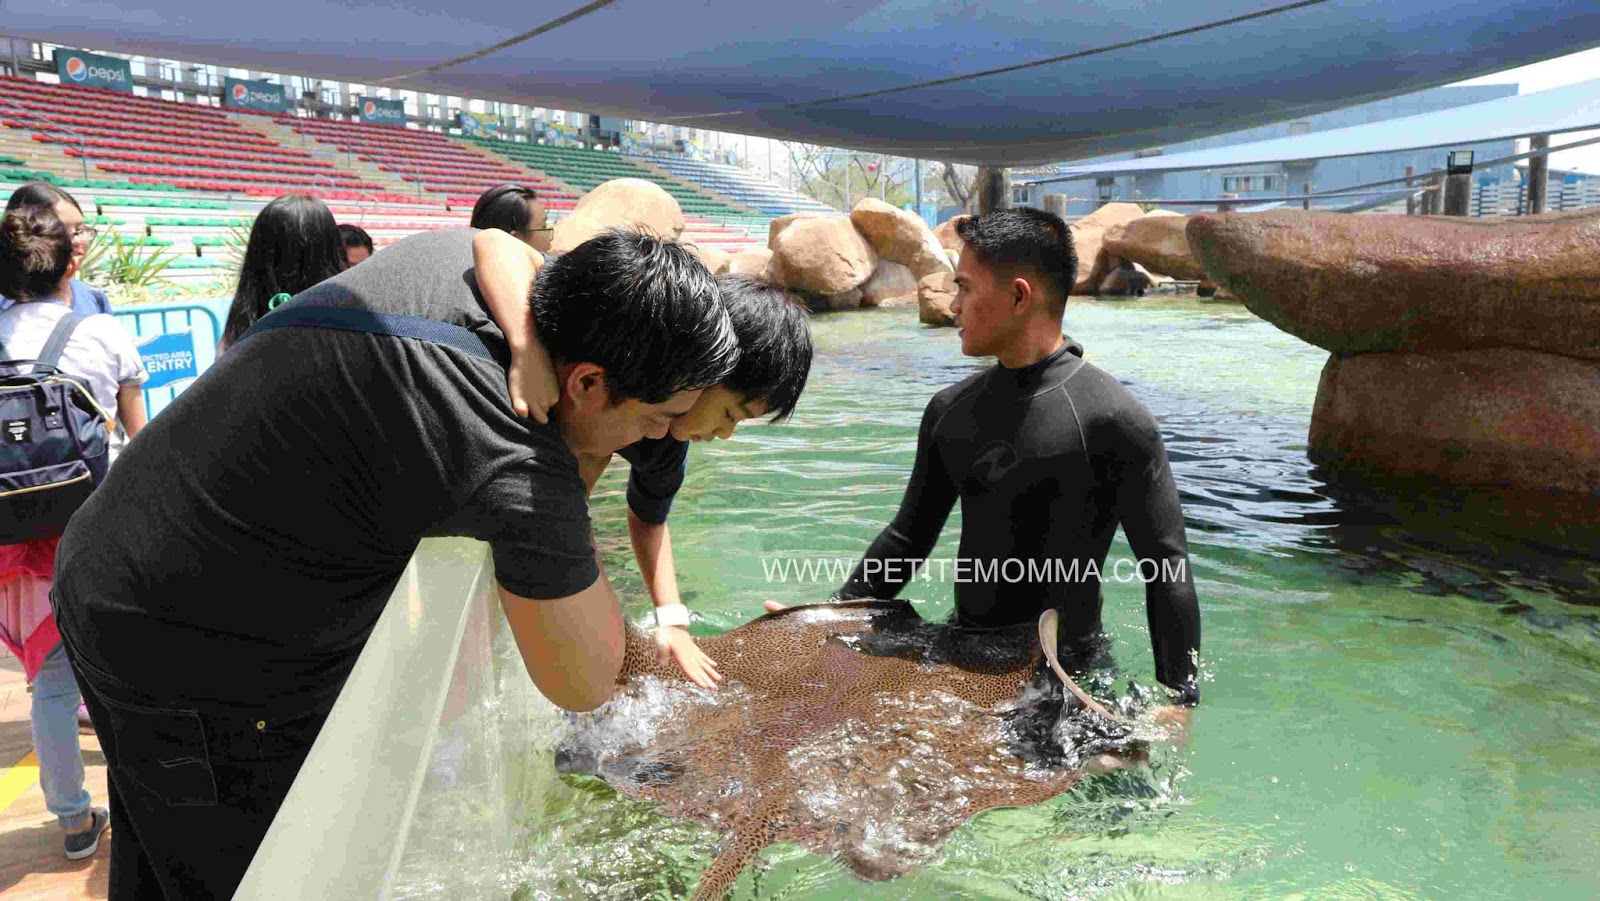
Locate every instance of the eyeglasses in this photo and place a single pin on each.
(86, 232)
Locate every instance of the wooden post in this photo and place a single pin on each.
(994, 189)
(1538, 175)
(1457, 194)
(1306, 190)
(1411, 199)
(1056, 204)
(1225, 201)
(1436, 196)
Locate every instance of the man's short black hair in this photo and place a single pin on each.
(774, 335)
(355, 236)
(1025, 237)
(647, 311)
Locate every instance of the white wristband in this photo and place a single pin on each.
(672, 615)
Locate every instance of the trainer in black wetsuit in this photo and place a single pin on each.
(1047, 459)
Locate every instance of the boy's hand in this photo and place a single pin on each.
(533, 384)
(673, 643)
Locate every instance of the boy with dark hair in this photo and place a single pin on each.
(357, 243)
(1047, 454)
(774, 336)
(217, 590)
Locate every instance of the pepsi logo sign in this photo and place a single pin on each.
(77, 70)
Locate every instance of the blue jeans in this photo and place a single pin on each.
(55, 741)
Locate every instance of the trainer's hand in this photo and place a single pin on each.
(532, 381)
(774, 606)
(675, 644)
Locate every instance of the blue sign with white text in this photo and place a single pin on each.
(92, 70)
(257, 95)
(383, 112)
(168, 358)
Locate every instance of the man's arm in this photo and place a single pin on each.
(1151, 517)
(658, 467)
(505, 269)
(572, 646)
(911, 535)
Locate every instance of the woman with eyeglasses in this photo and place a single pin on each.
(514, 209)
(41, 195)
(39, 255)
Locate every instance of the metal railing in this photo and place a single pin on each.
(12, 110)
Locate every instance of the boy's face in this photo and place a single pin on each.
(594, 425)
(716, 414)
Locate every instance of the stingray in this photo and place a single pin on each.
(855, 729)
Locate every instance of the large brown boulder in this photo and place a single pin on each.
(1516, 418)
(1087, 236)
(716, 260)
(752, 263)
(776, 226)
(1371, 283)
(935, 294)
(890, 280)
(823, 255)
(1158, 242)
(900, 236)
(630, 203)
(945, 232)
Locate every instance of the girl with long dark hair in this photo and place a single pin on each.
(294, 244)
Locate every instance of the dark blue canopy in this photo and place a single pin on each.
(1003, 82)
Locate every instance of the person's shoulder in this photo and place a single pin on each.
(96, 298)
(962, 391)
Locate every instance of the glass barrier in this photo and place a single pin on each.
(410, 790)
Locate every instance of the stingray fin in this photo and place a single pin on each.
(1049, 627)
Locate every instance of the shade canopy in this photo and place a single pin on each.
(1000, 82)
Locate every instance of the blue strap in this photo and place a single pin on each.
(356, 320)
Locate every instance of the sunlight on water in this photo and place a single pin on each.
(1401, 698)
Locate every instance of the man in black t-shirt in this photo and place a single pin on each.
(215, 592)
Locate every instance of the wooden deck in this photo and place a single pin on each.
(32, 865)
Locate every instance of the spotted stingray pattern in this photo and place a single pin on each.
(855, 729)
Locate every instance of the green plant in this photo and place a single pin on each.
(113, 262)
(233, 246)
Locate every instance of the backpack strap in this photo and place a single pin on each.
(57, 342)
(350, 319)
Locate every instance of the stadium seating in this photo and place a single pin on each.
(430, 159)
(583, 169)
(146, 143)
(743, 186)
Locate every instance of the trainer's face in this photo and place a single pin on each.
(985, 308)
(716, 414)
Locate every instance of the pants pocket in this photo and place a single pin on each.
(164, 750)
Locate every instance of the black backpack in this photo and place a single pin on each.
(53, 441)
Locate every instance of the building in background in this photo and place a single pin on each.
(1282, 179)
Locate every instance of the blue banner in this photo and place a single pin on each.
(92, 70)
(169, 359)
(257, 95)
(383, 112)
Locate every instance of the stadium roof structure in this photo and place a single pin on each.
(1574, 107)
(1005, 82)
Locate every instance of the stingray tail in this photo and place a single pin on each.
(741, 848)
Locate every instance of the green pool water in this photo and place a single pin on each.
(1399, 702)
